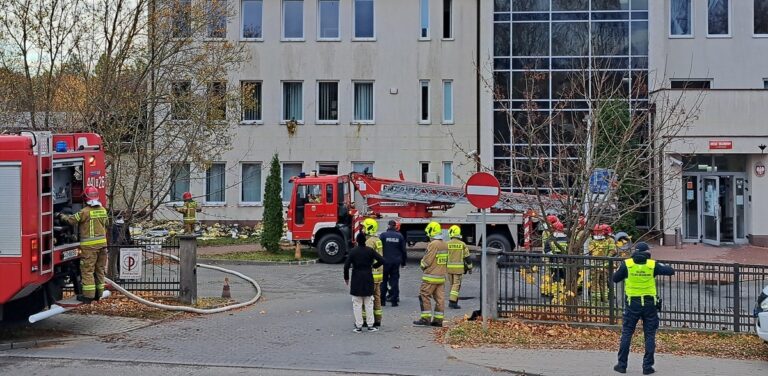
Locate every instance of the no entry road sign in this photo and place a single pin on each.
(482, 190)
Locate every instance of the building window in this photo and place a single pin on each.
(761, 17)
(424, 103)
(690, 84)
(765, 83)
(448, 173)
(328, 15)
(363, 102)
(328, 168)
(252, 13)
(328, 102)
(182, 18)
(289, 170)
(181, 92)
(447, 102)
(179, 180)
(364, 19)
(424, 9)
(251, 100)
(718, 17)
(217, 19)
(251, 183)
(680, 12)
(215, 187)
(293, 19)
(292, 104)
(217, 100)
(447, 19)
(424, 172)
(362, 167)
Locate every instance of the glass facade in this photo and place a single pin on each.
(552, 59)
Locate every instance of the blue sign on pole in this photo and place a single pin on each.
(600, 181)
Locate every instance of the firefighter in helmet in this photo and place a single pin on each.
(189, 211)
(601, 245)
(370, 227)
(92, 223)
(458, 264)
(434, 264)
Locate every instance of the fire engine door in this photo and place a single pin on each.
(309, 204)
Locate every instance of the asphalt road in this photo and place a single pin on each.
(303, 323)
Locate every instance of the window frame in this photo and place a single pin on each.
(260, 183)
(171, 191)
(448, 164)
(282, 175)
(320, 37)
(450, 21)
(425, 175)
(260, 120)
(452, 107)
(175, 100)
(188, 10)
(709, 80)
(765, 83)
(754, 34)
(421, 15)
(327, 163)
(224, 191)
(282, 102)
(730, 23)
(242, 23)
(428, 120)
(355, 38)
(211, 89)
(283, 23)
(691, 13)
(209, 21)
(338, 104)
(373, 102)
(372, 163)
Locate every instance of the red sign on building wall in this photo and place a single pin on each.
(720, 145)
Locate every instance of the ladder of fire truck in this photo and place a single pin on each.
(436, 193)
(44, 153)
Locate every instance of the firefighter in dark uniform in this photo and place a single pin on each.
(639, 276)
(92, 223)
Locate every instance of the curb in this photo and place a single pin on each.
(250, 262)
(39, 343)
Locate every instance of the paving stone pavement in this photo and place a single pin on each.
(304, 322)
(92, 325)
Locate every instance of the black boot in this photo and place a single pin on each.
(454, 305)
(421, 322)
(437, 323)
(84, 299)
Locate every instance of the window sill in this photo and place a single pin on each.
(425, 122)
(362, 123)
(451, 39)
(329, 39)
(251, 122)
(425, 39)
(173, 204)
(250, 204)
(327, 122)
(681, 36)
(364, 39)
(285, 122)
(448, 122)
(759, 35)
(215, 40)
(214, 204)
(292, 40)
(718, 36)
(251, 39)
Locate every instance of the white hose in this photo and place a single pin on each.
(190, 309)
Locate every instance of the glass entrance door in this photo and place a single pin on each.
(711, 210)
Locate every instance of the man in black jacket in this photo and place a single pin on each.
(639, 276)
(363, 260)
(395, 257)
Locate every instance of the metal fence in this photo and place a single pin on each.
(158, 274)
(566, 288)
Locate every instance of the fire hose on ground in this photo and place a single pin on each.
(56, 309)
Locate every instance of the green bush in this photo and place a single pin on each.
(273, 209)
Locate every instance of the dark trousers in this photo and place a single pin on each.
(391, 282)
(635, 310)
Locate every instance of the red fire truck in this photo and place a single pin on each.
(42, 174)
(323, 212)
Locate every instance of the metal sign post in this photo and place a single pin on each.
(484, 277)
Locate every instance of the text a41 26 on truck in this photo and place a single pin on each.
(325, 211)
(41, 175)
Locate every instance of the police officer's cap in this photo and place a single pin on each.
(392, 223)
(642, 247)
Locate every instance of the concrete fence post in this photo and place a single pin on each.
(492, 285)
(188, 269)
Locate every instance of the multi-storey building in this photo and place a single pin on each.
(711, 54)
(342, 85)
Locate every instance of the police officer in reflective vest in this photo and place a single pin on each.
(370, 226)
(458, 264)
(434, 264)
(638, 274)
(92, 221)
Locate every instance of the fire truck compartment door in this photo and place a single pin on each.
(10, 216)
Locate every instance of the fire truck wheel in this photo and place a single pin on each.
(499, 241)
(331, 249)
(21, 309)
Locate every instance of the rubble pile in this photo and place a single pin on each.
(164, 229)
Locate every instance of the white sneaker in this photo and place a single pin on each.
(373, 329)
(357, 330)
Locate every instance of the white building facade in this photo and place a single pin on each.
(387, 85)
(712, 53)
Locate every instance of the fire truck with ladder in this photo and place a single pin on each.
(326, 211)
(42, 174)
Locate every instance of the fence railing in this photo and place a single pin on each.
(571, 288)
(159, 274)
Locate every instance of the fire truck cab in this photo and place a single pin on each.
(41, 175)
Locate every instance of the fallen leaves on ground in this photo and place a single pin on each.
(120, 305)
(518, 334)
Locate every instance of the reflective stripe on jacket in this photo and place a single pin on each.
(457, 252)
(189, 210)
(92, 221)
(435, 262)
(374, 243)
(640, 280)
